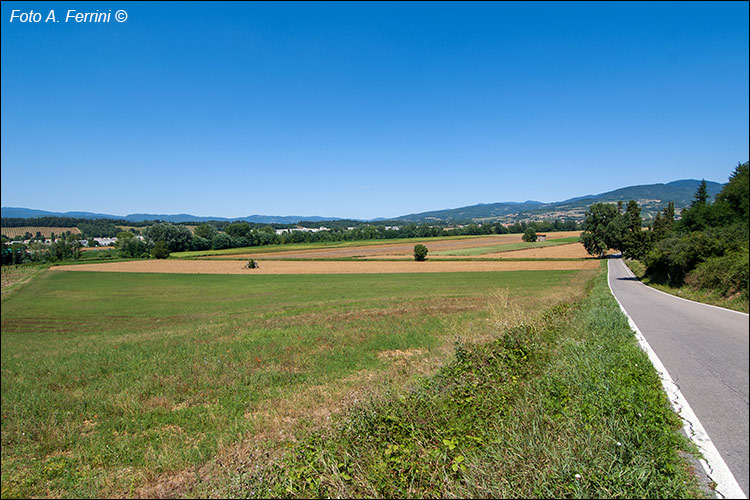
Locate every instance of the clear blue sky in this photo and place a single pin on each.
(365, 110)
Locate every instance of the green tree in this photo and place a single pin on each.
(221, 241)
(160, 250)
(132, 247)
(205, 230)
(736, 194)
(238, 229)
(420, 252)
(664, 224)
(177, 238)
(597, 218)
(701, 194)
(529, 235)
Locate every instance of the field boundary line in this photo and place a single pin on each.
(713, 464)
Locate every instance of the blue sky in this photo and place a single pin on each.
(365, 110)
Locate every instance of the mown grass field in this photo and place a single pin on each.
(507, 247)
(118, 384)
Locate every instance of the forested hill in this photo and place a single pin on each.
(651, 197)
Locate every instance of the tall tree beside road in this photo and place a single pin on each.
(594, 236)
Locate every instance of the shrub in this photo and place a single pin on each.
(728, 274)
(529, 235)
(251, 264)
(420, 252)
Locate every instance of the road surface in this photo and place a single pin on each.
(705, 351)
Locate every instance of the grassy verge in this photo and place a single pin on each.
(568, 406)
(118, 384)
(315, 246)
(507, 247)
(686, 292)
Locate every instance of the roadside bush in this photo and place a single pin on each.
(728, 274)
(420, 252)
(673, 258)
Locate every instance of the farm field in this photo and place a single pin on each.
(315, 246)
(323, 267)
(385, 247)
(507, 247)
(12, 232)
(125, 384)
(564, 251)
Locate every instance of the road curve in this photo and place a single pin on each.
(705, 351)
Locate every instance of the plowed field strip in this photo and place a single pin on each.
(323, 267)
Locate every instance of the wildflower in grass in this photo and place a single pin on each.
(578, 476)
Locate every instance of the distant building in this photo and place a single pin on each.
(541, 237)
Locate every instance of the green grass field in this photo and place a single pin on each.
(507, 247)
(114, 383)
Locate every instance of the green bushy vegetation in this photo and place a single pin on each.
(568, 406)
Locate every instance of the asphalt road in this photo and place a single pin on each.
(705, 351)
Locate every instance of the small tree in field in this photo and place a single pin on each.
(420, 252)
(529, 235)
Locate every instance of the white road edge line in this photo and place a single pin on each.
(632, 274)
(713, 464)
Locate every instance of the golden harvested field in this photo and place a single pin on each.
(400, 249)
(12, 232)
(324, 267)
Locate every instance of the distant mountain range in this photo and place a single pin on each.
(26, 213)
(651, 198)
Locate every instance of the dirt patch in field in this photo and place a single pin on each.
(400, 249)
(323, 267)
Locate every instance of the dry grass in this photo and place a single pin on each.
(324, 267)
